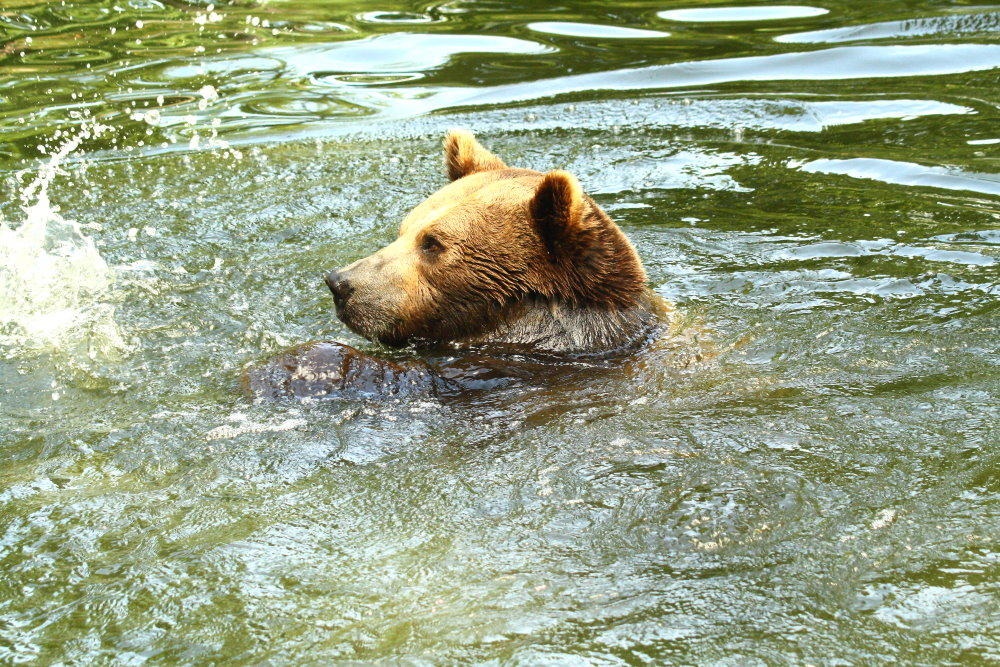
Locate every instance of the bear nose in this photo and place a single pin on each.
(340, 286)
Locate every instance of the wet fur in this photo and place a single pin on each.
(542, 325)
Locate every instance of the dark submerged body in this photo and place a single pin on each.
(332, 370)
(335, 370)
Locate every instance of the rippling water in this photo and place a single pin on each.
(819, 185)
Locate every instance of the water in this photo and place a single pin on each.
(818, 185)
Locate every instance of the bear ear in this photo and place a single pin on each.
(557, 211)
(463, 155)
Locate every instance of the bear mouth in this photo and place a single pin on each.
(371, 325)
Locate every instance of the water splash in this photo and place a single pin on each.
(54, 283)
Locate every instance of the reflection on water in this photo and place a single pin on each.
(963, 25)
(757, 13)
(398, 52)
(862, 62)
(815, 184)
(906, 173)
(594, 31)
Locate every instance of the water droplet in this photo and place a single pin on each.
(208, 93)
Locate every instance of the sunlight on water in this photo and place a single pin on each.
(590, 30)
(950, 26)
(738, 14)
(907, 173)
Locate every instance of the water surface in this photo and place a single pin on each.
(820, 188)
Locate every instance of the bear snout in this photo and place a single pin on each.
(340, 286)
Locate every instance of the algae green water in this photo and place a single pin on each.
(818, 184)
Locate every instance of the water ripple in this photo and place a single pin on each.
(738, 14)
(591, 30)
(907, 173)
(945, 26)
(861, 62)
(395, 52)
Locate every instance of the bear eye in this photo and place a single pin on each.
(431, 245)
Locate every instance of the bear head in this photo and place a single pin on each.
(469, 258)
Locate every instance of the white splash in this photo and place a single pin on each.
(226, 431)
(884, 518)
(52, 277)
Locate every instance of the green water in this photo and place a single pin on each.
(821, 189)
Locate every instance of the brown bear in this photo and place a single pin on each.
(500, 255)
(506, 257)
